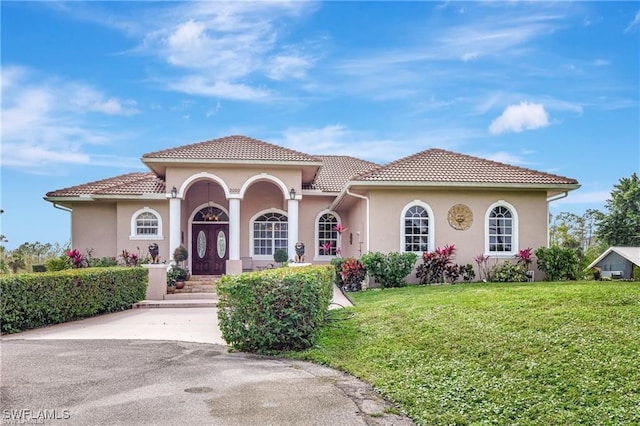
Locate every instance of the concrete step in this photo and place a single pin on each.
(191, 296)
(196, 288)
(192, 303)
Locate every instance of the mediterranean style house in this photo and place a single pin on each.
(235, 200)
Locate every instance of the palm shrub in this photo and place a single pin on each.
(390, 270)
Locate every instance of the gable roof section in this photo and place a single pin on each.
(130, 184)
(336, 170)
(632, 254)
(441, 166)
(231, 149)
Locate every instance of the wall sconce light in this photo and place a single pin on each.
(292, 194)
(174, 192)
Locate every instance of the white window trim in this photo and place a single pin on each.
(432, 225)
(515, 228)
(316, 254)
(251, 242)
(134, 218)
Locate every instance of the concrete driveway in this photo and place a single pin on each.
(169, 366)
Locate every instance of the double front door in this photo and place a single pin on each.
(210, 248)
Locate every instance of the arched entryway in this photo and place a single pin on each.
(208, 228)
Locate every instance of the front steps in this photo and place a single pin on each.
(198, 292)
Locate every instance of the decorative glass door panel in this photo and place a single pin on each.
(210, 242)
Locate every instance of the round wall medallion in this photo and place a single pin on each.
(460, 217)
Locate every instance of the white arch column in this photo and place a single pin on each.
(234, 264)
(292, 212)
(174, 225)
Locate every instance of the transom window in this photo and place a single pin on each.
(327, 235)
(146, 224)
(270, 232)
(501, 230)
(416, 230)
(211, 214)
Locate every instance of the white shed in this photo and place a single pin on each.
(617, 262)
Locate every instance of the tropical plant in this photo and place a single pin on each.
(176, 273)
(525, 257)
(484, 269)
(434, 265)
(467, 272)
(353, 273)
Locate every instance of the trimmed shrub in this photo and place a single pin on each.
(280, 256)
(389, 270)
(274, 310)
(39, 268)
(35, 300)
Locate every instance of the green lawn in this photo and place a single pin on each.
(534, 353)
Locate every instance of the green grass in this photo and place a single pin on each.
(526, 354)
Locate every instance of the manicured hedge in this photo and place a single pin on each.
(34, 300)
(274, 310)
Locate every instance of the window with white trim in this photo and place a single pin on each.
(416, 229)
(501, 230)
(146, 224)
(270, 232)
(327, 235)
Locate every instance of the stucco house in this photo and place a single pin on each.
(234, 200)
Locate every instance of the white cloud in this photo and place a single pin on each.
(516, 118)
(634, 23)
(224, 46)
(200, 85)
(43, 119)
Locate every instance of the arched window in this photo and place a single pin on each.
(417, 228)
(327, 237)
(146, 224)
(270, 232)
(501, 229)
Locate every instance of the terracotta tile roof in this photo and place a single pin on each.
(336, 170)
(130, 184)
(438, 165)
(231, 148)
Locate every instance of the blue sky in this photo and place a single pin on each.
(88, 87)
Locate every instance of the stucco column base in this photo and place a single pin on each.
(157, 287)
(234, 267)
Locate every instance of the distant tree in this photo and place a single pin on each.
(620, 226)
